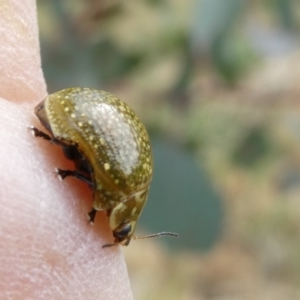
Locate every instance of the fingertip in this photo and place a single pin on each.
(21, 75)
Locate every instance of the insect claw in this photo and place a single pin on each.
(32, 130)
(58, 174)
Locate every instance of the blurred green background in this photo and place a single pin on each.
(216, 83)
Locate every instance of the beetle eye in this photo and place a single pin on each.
(123, 232)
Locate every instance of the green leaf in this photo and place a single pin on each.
(182, 199)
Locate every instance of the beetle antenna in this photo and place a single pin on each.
(155, 235)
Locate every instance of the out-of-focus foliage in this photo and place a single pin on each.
(252, 148)
(217, 84)
(182, 191)
(211, 36)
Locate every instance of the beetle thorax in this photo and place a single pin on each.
(128, 211)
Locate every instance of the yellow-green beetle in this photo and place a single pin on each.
(111, 151)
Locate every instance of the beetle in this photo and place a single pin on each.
(111, 151)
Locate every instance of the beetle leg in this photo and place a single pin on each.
(41, 134)
(38, 133)
(62, 174)
(92, 215)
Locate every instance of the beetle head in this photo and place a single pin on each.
(123, 217)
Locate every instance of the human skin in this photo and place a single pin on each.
(47, 248)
